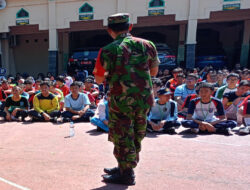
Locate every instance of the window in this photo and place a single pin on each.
(86, 8)
(22, 14)
(156, 3)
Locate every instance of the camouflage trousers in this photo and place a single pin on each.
(126, 131)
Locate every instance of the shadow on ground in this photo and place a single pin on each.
(112, 187)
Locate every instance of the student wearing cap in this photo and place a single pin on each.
(182, 91)
(201, 113)
(46, 105)
(231, 100)
(163, 115)
(127, 64)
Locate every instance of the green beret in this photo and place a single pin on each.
(118, 18)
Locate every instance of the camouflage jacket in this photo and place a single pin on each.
(126, 64)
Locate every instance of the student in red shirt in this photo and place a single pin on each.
(30, 90)
(61, 85)
(6, 87)
(172, 83)
(89, 87)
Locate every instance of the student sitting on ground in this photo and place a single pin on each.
(231, 100)
(46, 105)
(100, 118)
(246, 117)
(30, 90)
(232, 80)
(77, 105)
(157, 83)
(185, 105)
(58, 93)
(182, 91)
(16, 106)
(61, 85)
(201, 113)
(163, 115)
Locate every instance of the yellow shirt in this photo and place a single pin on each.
(45, 104)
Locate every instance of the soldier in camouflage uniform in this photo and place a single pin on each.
(127, 64)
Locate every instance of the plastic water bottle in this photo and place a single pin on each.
(71, 129)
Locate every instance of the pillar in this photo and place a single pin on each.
(245, 44)
(181, 44)
(53, 42)
(1, 62)
(121, 6)
(191, 33)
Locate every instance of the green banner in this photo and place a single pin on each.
(230, 7)
(86, 17)
(156, 12)
(22, 22)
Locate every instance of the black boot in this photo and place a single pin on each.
(127, 178)
(111, 171)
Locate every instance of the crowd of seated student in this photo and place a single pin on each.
(202, 100)
(227, 91)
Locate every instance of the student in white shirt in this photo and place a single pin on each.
(163, 115)
(201, 113)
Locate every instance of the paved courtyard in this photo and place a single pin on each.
(37, 156)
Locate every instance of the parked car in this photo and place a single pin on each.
(83, 60)
(211, 57)
(166, 56)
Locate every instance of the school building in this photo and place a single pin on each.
(37, 36)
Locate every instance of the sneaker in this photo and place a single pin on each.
(228, 131)
(244, 131)
(126, 178)
(111, 171)
(195, 130)
(170, 131)
(53, 120)
(64, 120)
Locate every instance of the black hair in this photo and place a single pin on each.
(244, 83)
(76, 83)
(52, 83)
(60, 78)
(193, 75)
(28, 82)
(79, 83)
(45, 83)
(177, 70)
(206, 85)
(233, 75)
(119, 27)
(181, 75)
(39, 80)
(157, 81)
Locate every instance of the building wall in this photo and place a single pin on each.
(68, 10)
(31, 54)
